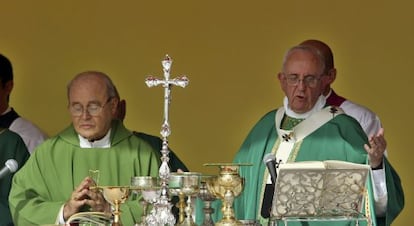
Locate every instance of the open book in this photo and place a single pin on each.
(90, 218)
(320, 189)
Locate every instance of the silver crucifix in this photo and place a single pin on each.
(162, 206)
(181, 81)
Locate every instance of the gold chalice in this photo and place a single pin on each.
(115, 195)
(226, 186)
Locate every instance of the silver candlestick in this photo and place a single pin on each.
(163, 206)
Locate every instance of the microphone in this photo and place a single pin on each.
(10, 167)
(270, 161)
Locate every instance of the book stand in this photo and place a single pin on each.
(309, 193)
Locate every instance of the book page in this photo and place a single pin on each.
(327, 164)
(303, 165)
(336, 164)
(319, 189)
(91, 218)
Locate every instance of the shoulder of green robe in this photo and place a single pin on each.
(347, 121)
(119, 132)
(348, 125)
(268, 119)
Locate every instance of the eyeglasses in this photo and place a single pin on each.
(310, 81)
(92, 109)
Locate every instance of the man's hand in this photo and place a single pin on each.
(81, 196)
(97, 202)
(376, 148)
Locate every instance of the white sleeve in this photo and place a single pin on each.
(368, 120)
(29, 132)
(380, 191)
(59, 219)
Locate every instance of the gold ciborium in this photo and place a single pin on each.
(115, 195)
(185, 184)
(226, 186)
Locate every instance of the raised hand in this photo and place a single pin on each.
(376, 148)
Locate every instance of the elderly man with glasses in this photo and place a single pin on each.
(306, 128)
(54, 184)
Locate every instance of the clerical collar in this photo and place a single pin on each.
(320, 103)
(105, 142)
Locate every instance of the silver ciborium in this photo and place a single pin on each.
(152, 195)
(184, 185)
(138, 184)
(226, 186)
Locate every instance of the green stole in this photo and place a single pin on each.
(291, 132)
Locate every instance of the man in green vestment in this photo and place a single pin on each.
(54, 184)
(11, 147)
(306, 129)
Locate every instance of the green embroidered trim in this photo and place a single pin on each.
(288, 122)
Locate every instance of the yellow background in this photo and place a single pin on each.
(230, 50)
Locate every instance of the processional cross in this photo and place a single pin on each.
(167, 83)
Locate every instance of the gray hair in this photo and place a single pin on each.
(314, 51)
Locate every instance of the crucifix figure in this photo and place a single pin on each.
(181, 81)
(164, 171)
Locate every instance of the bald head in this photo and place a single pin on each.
(95, 76)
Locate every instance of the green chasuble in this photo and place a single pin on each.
(58, 165)
(341, 138)
(11, 147)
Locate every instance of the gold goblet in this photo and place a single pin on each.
(115, 195)
(185, 184)
(226, 186)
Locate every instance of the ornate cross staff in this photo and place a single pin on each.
(167, 83)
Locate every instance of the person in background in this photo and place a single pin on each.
(11, 147)
(175, 164)
(305, 128)
(9, 118)
(368, 120)
(54, 184)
